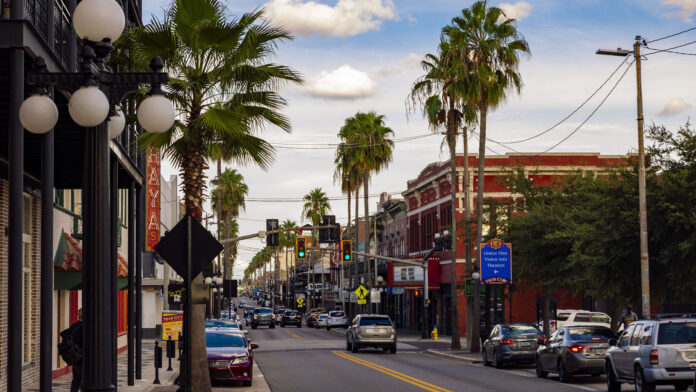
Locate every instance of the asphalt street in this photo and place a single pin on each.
(308, 359)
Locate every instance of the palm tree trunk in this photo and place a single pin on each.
(355, 258)
(467, 229)
(452, 139)
(287, 276)
(366, 240)
(475, 344)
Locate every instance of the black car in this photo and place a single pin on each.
(291, 317)
(511, 343)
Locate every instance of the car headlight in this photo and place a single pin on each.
(256, 316)
(219, 364)
(240, 360)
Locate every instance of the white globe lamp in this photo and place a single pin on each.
(38, 114)
(218, 280)
(475, 275)
(98, 20)
(116, 123)
(208, 280)
(88, 106)
(156, 114)
(214, 290)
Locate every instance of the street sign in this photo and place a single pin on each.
(374, 296)
(300, 301)
(496, 262)
(398, 291)
(361, 292)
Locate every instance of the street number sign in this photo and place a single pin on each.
(496, 262)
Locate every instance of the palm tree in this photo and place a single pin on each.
(223, 86)
(440, 94)
(316, 205)
(227, 198)
(490, 42)
(287, 240)
(370, 152)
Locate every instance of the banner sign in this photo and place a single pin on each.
(152, 230)
(496, 262)
(408, 274)
(172, 324)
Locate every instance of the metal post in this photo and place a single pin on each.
(425, 300)
(132, 255)
(96, 274)
(46, 323)
(114, 269)
(140, 243)
(14, 243)
(187, 312)
(644, 260)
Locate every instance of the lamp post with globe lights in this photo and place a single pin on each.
(96, 92)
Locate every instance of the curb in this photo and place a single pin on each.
(453, 356)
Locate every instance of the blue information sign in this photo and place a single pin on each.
(256, 291)
(496, 262)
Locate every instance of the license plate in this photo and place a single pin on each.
(600, 351)
(525, 344)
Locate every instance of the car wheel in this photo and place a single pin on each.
(640, 383)
(540, 372)
(498, 364)
(392, 349)
(354, 347)
(253, 326)
(349, 347)
(486, 362)
(563, 375)
(282, 325)
(385, 349)
(612, 384)
(328, 328)
(272, 326)
(247, 383)
(681, 387)
(299, 325)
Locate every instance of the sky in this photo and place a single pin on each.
(363, 55)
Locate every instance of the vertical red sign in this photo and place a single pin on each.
(152, 230)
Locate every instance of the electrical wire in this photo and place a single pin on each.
(564, 119)
(575, 130)
(331, 146)
(669, 50)
(671, 35)
(302, 200)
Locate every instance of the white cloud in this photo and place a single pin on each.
(346, 18)
(687, 8)
(674, 106)
(520, 10)
(343, 82)
(411, 61)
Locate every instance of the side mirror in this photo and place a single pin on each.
(254, 346)
(613, 341)
(245, 331)
(542, 341)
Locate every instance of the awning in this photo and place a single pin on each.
(68, 265)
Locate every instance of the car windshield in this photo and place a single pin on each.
(225, 340)
(323, 316)
(263, 311)
(337, 314)
(291, 313)
(520, 329)
(220, 323)
(375, 321)
(562, 316)
(600, 318)
(590, 334)
(676, 333)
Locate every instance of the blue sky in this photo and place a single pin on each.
(363, 55)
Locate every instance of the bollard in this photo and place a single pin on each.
(158, 361)
(171, 352)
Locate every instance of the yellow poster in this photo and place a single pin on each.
(172, 325)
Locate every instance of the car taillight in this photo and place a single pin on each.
(654, 357)
(357, 330)
(393, 332)
(507, 342)
(552, 322)
(576, 348)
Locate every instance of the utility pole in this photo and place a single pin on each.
(467, 228)
(643, 210)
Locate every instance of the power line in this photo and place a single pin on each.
(670, 50)
(576, 129)
(671, 35)
(300, 199)
(331, 146)
(564, 119)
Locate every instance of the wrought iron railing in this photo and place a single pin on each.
(64, 37)
(36, 12)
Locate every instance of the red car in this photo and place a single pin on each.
(230, 355)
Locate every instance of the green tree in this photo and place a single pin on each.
(440, 94)
(225, 90)
(227, 197)
(371, 152)
(316, 205)
(486, 38)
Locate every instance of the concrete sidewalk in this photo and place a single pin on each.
(258, 385)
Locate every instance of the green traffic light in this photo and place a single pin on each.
(346, 257)
(301, 254)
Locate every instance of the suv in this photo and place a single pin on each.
(337, 318)
(291, 317)
(262, 316)
(371, 330)
(654, 352)
(572, 317)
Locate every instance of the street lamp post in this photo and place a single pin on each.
(96, 91)
(642, 203)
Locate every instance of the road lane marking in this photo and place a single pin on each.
(403, 377)
(294, 335)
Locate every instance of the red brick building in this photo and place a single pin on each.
(429, 202)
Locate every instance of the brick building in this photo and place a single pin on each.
(429, 202)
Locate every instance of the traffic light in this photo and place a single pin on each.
(271, 239)
(301, 248)
(347, 248)
(419, 293)
(325, 235)
(336, 234)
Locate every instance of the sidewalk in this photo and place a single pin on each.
(259, 385)
(62, 384)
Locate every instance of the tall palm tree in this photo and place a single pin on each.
(224, 88)
(316, 205)
(439, 94)
(371, 152)
(227, 198)
(489, 40)
(287, 241)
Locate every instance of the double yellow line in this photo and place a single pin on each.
(403, 377)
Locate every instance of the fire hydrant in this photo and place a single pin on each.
(434, 332)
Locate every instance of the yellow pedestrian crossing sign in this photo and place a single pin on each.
(361, 292)
(300, 301)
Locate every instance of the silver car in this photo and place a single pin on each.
(654, 352)
(371, 330)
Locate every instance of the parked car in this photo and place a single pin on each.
(312, 316)
(321, 321)
(291, 317)
(230, 356)
(221, 324)
(336, 318)
(262, 316)
(371, 330)
(654, 352)
(242, 304)
(570, 317)
(511, 343)
(574, 350)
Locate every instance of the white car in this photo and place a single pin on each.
(572, 317)
(336, 318)
(321, 320)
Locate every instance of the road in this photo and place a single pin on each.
(308, 359)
